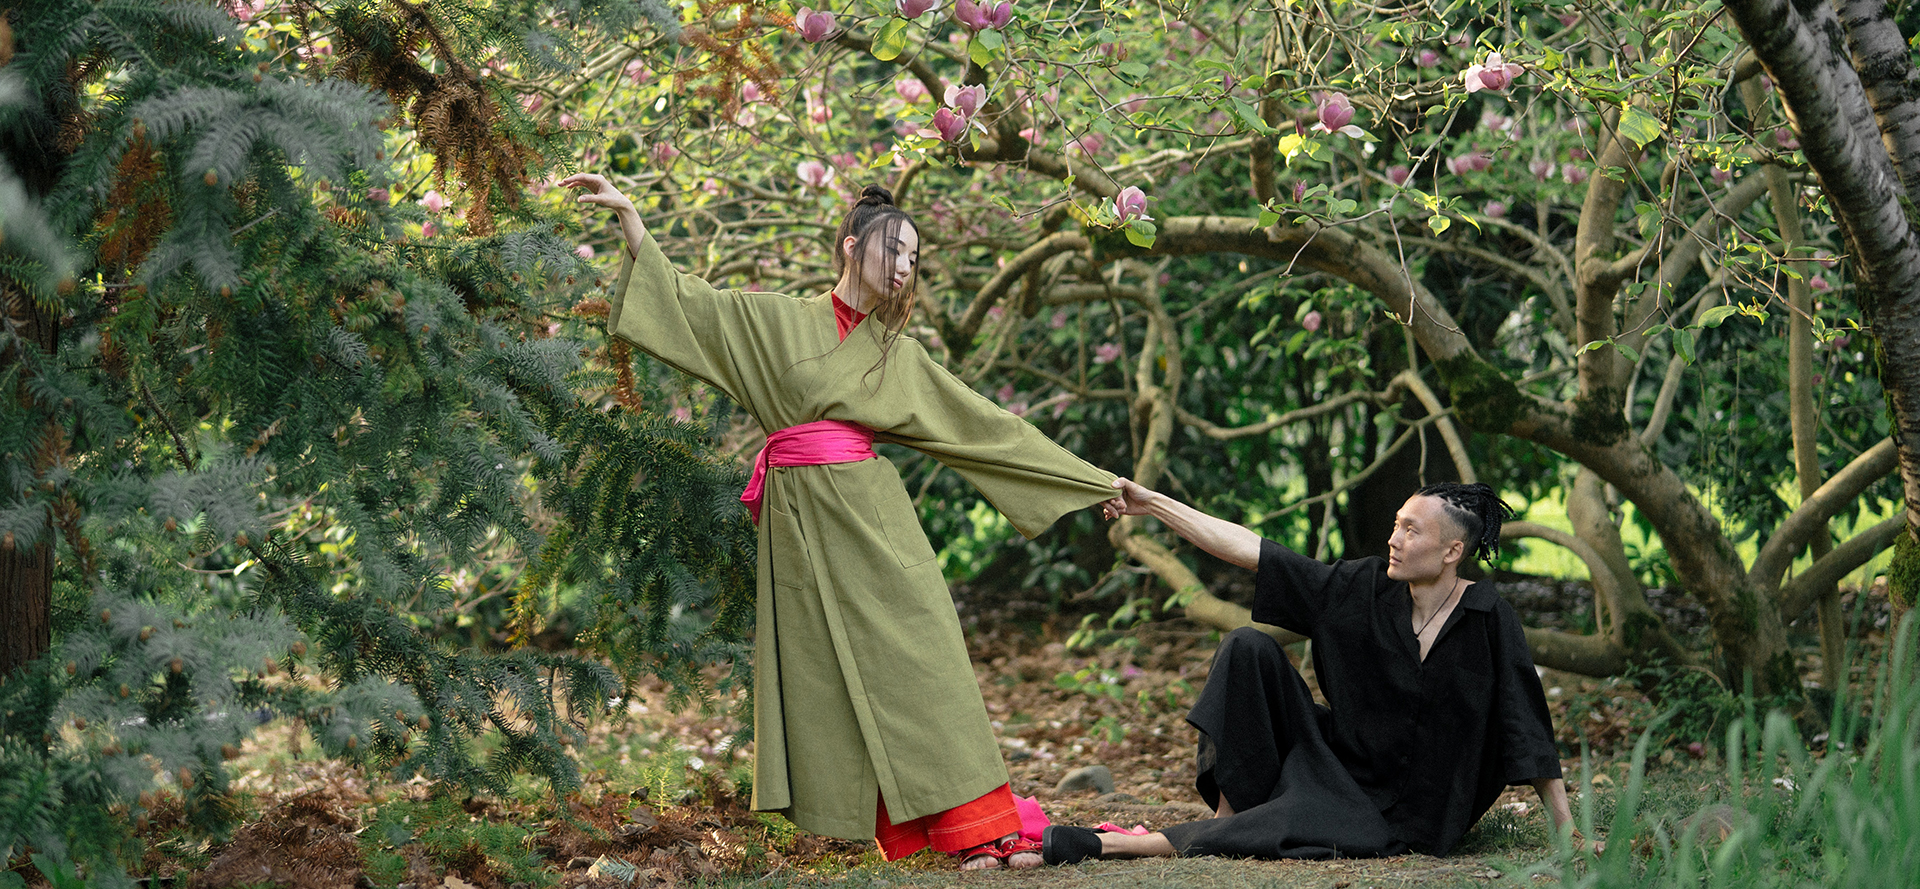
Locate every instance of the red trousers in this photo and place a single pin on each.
(962, 827)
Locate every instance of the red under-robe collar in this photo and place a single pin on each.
(845, 317)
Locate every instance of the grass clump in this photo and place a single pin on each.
(1849, 818)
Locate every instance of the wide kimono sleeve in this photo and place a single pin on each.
(681, 319)
(1520, 715)
(1024, 474)
(1293, 591)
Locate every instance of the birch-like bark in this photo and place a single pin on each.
(1892, 84)
(1837, 132)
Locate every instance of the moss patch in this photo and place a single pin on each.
(1903, 572)
(1597, 417)
(1483, 397)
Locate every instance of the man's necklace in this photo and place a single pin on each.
(1443, 607)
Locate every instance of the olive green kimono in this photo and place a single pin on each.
(863, 680)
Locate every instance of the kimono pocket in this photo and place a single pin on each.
(902, 528)
(791, 564)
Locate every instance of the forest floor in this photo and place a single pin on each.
(662, 803)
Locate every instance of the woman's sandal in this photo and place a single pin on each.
(1064, 844)
(1000, 851)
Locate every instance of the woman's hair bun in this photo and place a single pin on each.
(876, 194)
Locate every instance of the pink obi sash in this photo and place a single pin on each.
(808, 444)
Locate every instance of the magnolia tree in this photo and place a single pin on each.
(1563, 244)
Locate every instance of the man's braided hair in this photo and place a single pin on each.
(1477, 510)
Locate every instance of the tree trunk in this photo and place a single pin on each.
(26, 598)
(26, 573)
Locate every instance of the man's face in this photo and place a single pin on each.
(1424, 542)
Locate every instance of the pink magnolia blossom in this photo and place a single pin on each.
(951, 126)
(1541, 169)
(428, 229)
(1059, 320)
(1335, 112)
(746, 119)
(1398, 174)
(1720, 175)
(1427, 59)
(247, 10)
(1133, 103)
(1130, 204)
(1471, 162)
(584, 251)
(996, 313)
(664, 153)
(1825, 258)
(1568, 18)
(815, 174)
(984, 15)
(434, 201)
(567, 120)
(813, 26)
(1312, 322)
(913, 9)
(1299, 191)
(1818, 283)
(910, 89)
(967, 99)
(379, 196)
(1493, 74)
(1116, 52)
(1495, 209)
(1088, 145)
(1019, 408)
(818, 110)
(531, 103)
(1573, 175)
(1106, 353)
(1784, 138)
(1578, 153)
(1032, 136)
(751, 92)
(638, 73)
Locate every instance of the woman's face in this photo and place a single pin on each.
(890, 256)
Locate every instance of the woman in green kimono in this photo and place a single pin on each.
(867, 716)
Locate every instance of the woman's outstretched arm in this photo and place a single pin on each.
(596, 189)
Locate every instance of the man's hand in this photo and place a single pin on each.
(1133, 499)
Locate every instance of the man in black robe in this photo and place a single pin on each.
(1433, 703)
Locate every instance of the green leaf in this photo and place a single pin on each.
(1133, 70)
(1630, 353)
(1717, 314)
(1639, 127)
(1141, 233)
(1438, 223)
(1683, 345)
(981, 48)
(1268, 217)
(891, 41)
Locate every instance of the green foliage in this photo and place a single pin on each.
(1850, 818)
(450, 838)
(267, 418)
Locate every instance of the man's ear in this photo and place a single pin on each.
(1456, 551)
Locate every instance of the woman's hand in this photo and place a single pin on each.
(596, 189)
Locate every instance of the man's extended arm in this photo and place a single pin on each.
(1225, 540)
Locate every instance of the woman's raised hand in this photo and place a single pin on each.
(596, 189)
